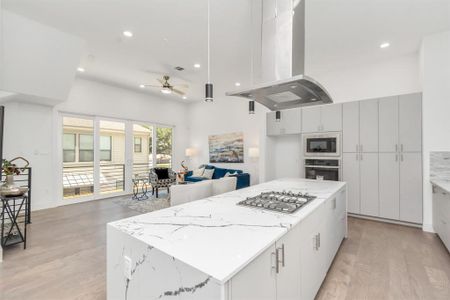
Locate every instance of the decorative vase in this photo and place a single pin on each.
(10, 189)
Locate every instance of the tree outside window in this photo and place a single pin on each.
(164, 147)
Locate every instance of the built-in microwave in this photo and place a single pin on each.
(322, 144)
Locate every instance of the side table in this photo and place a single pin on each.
(14, 220)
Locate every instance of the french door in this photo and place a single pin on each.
(101, 157)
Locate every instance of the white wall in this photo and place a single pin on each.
(32, 130)
(435, 61)
(226, 115)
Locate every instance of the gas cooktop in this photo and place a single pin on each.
(286, 202)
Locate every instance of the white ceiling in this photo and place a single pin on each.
(170, 33)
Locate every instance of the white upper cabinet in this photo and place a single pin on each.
(388, 125)
(350, 127)
(410, 123)
(322, 118)
(290, 122)
(368, 126)
(331, 117)
(311, 119)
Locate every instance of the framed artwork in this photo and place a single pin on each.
(226, 148)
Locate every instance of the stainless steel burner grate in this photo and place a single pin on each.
(286, 202)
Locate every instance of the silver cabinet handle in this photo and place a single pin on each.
(282, 255)
(277, 258)
(361, 157)
(334, 203)
(396, 157)
(319, 238)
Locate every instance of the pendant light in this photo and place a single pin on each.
(277, 116)
(209, 85)
(251, 107)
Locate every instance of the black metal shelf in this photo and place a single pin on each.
(14, 220)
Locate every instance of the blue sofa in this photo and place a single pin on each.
(243, 179)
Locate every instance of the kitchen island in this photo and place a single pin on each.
(215, 249)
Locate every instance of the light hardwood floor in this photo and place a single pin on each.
(65, 259)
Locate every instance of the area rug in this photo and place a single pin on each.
(144, 206)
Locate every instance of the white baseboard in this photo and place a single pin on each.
(385, 220)
(428, 228)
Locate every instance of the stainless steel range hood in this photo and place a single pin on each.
(283, 60)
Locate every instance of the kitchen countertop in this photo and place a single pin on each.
(218, 237)
(442, 183)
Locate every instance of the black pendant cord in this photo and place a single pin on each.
(209, 97)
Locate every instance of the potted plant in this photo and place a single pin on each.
(10, 169)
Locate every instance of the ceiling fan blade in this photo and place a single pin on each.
(184, 85)
(181, 93)
(151, 85)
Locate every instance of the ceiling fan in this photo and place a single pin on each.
(166, 87)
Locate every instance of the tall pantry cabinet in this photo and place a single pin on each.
(382, 157)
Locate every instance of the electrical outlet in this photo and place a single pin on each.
(127, 267)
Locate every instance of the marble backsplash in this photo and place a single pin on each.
(440, 165)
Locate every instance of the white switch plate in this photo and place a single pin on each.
(127, 267)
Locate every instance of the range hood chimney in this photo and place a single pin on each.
(283, 60)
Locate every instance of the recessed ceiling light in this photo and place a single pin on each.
(237, 84)
(80, 69)
(142, 86)
(184, 97)
(197, 66)
(127, 33)
(384, 45)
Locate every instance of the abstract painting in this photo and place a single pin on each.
(226, 148)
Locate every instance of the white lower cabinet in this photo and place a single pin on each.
(389, 170)
(350, 174)
(296, 265)
(441, 215)
(411, 187)
(369, 184)
(258, 280)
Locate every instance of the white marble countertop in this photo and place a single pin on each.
(218, 237)
(442, 183)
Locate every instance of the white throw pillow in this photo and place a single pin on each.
(228, 174)
(208, 174)
(198, 172)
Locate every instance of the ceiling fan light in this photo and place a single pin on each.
(166, 91)
(209, 92)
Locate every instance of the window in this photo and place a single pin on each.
(137, 144)
(86, 151)
(69, 144)
(105, 148)
(164, 147)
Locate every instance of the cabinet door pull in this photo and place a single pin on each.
(334, 203)
(396, 157)
(277, 259)
(282, 255)
(361, 157)
(319, 239)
